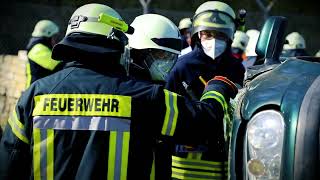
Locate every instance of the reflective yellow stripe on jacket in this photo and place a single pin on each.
(17, 127)
(81, 112)
(194, 155)
(184, 168)
(192, 167)
(43, 154)
(153, 173)
(118, 155)
(29, 75)
(171, 116)
(219, 97)
(41, 55)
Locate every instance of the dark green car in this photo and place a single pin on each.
(275, 132)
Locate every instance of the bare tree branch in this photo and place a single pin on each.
(145, 2)
(145, 5)
(265, 9)
(261, 5)
(270, 5)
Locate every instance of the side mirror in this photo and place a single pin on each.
(271, 40)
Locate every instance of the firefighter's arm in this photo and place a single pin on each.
(190, 120)
(222, 86)
(14, 148)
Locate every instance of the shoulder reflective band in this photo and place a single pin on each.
(17, 127)
(41, 55)
(82, 123)
(195, 164)
(115, 23)
(43, 154)
(171, 116)
(82, 105)
(219, 97)
(118, 155)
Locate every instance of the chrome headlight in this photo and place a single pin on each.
(264, 135)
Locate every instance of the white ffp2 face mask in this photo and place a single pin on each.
(213, 47)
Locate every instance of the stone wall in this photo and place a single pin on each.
(12, 82)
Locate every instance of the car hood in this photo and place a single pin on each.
(286, 83)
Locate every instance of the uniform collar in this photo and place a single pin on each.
(39, 40)
(101, 68)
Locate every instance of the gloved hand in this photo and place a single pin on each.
(222, 85)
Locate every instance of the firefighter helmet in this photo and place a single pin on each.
(240, 40)
(45, 28)
(215, 16)
(85, 20)
(294, 40)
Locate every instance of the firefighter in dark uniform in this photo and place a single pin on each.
(90, 121)
(40, 64)
(214, 25)
(154, 49)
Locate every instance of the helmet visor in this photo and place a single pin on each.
(171, 43)
(214, 21)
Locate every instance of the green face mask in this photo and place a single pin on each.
(160, 65)
(160, 69)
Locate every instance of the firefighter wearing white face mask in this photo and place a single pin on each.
(154, 47)
(212, 47)
(214, 25)
(108, 124)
